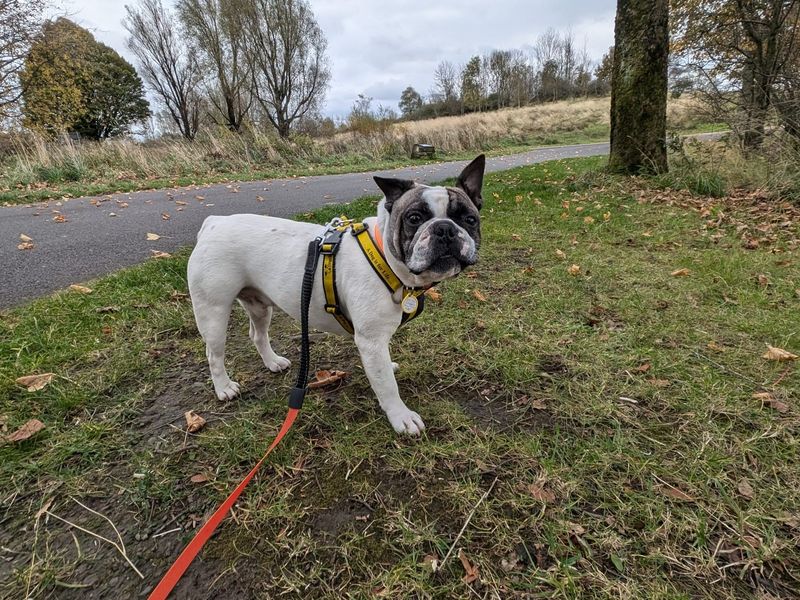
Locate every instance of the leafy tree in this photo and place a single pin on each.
(639, 87)
(471, 88)
(410, 101)
(740, 50)
(73, 83)
(20, 23)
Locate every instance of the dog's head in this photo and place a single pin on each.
(434, 231)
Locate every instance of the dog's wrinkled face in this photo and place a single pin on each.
(435, 231)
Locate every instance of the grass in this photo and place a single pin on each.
(612, 411)
(38, 170)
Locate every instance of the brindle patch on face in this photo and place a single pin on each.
(419, 209)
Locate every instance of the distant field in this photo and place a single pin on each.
(39, 170)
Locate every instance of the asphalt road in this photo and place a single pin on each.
(102, 234)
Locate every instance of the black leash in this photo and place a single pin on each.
(298, 393)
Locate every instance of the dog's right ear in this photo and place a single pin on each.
(393, 189)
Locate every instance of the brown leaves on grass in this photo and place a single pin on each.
(538, 492)
(199, 478)
(745, 489)
(574, 270)
(675, 493)
(778, 354)
(767, 399)
(327, 378)
(81, 289)
(27, 431)
(434, 295)
(194, 422)
(478, 295)
(680, 273)
(34, 383)
(470, 570)
(159, 254)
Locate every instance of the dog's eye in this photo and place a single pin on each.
(471, 220)
(414, 219)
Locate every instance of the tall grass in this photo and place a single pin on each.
(34, 163)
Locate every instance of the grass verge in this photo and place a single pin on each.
(609, 408)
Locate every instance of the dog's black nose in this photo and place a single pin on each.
(445, 230)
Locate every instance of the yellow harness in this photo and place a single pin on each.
(413, 300)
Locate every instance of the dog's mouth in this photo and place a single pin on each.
(446, 263)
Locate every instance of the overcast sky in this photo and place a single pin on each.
(378, 47)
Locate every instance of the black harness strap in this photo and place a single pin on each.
(298, 393)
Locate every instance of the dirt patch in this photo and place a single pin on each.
(348, 514)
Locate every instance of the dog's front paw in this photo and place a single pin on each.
(228, 391)
(395, 367)
(277, 363)
(406, 421)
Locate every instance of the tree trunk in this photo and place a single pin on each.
(639, 87)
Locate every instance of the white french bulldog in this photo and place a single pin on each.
(430, 234)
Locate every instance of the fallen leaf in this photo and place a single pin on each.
(574, 270)
(661, 383)
(763, 280)
(712, 345)
(27, 431)
(470, 570)
(45, 507)
(111, 214)
(433, 294)
(561, 254)
(200, 198)
(432, 561)
(588, 220)
(60, 219)
(181, 203)
(675, 493)
(515, 236)
(160, 254)
(25, 246)
(194, 422)
(745, 489)
(780, 354)
(643, 368)
(472, 274)
(326, 378)
(106, 309)
(81, 289)
(34, 383)
(680, 273)
(199, 478)
(478, 295)
(152, 237)
(165, 216)
(537, 492)
(480, 324)
(260, 198)
(771, 401)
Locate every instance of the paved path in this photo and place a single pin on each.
(105, 233)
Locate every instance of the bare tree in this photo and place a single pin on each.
(285, 50)
(20, 22)
(167, 64)
(445, 82)
(215, 32)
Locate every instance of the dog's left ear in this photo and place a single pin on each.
(471, 180)
(393, 189)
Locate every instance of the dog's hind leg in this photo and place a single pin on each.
(260, 317)
(212, 322)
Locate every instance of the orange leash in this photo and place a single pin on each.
(178, 568)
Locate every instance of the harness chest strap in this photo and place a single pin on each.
(373, 254)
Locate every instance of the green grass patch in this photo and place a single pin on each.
(611, 408)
